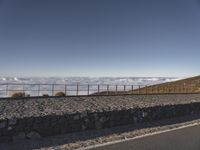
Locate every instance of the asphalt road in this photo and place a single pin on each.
(181, 139)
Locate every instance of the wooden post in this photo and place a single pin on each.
(65, 89)
(116, 89)
(139, 89)
(169, 89)
(98, 89)
(7, 90)
(107, 89)
(88, 89)
(132, 88)
(77, 88)
(23, 88)
(124, 88)
(38, 89)
(146, 89)
(185, 91)
(52, 90)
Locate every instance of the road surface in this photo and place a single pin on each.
(187, 138)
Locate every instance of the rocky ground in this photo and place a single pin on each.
(16, 109)
(28, 107)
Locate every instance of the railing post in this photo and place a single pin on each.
(116, 89)
(168, 89)
(132, 88)
(88, 89)
(38, 89)
(185, 89)
(7, 90)
(77, 88)
(124, 88)
(23, 88)
(146, 88)
(98, 88)
(139, 89)
(107, 89)
(52, 89)
(65, 89)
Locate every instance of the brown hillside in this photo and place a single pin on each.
(188, 85)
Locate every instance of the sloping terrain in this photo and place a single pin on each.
(188, 85)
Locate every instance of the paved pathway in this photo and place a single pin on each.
(181, 139)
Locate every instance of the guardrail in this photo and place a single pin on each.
(7, 90)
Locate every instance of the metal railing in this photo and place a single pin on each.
(7, 90)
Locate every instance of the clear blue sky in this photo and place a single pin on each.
(99, 37)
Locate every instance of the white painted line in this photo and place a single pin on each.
(140, 136)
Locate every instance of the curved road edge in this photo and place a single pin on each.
(180, 138)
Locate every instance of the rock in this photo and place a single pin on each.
(86, 121)
(102, 119)
(98, 125)
(2, 124)
(33, 135)
(19, 136)
(135, 119)
(96, 116)
(144, 114)
(100, 140)
(10, 128)
(84, 114)
(132, 111)
(83, 127)
(76, 117)
(12, 121)
(5, 139)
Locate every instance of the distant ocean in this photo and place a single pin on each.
(82, 81)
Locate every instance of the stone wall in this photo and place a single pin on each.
(47, 125)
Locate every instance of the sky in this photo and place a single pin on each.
(100, 38)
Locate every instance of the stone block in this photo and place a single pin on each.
(12, 121)
(33, 135)
(3, 124)
(19, 136)
(4, 139)
(76, 117)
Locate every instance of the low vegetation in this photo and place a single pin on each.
(60, 94)
(20, 94)
(45, 95)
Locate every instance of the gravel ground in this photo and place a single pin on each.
(83, 140)
(29, 107)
